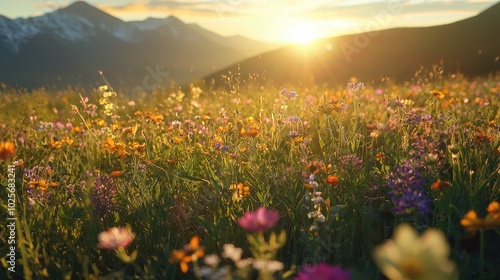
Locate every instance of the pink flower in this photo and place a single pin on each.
(115, 238)
(323, 271)
(258, 221)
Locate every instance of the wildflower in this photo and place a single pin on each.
(471, 221)
(289, 94)
(232, 252)
(438, 184)
(315, 166)
(104, 195)
(407, 190)
(332, 180)
(7, 150)
(407, 256)
(323, 271)
(268, 265)
(293, 134)
(115, 238)
(351, 162)
(116, 174)
(54, 144)
(258, 221)
(353, 87)
(40, 184)
(189, 253)
(240, 191)
(438, 94)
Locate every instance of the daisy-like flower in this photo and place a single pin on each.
(258, 221)
(189, 253)
(115, 238)
(408, 257)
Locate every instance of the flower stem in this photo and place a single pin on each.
(481, 254)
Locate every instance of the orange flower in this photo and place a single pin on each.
(7, 150)
(116, 173)
(439, 184)
(55, 144)
(189, 253)
(254, 132)
(438, 94)
(332, 180)
(493, 208)
(240, 190)
(39, 184)
(471, 222)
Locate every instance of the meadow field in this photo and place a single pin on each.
(252, 180)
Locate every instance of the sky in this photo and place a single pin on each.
(285, 21)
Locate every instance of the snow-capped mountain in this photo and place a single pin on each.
(70, 45)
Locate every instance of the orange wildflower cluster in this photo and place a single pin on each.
(253, 132)
(7, 150)
(481, 137)
(472, 223)
(240, 190)
(189, 253)
(42, 184)
(121, 149)
(438, 94)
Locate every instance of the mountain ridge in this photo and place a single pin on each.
(469, 46)
(91, 40)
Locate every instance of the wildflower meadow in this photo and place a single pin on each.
(253, 180)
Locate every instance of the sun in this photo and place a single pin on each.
(302, 33)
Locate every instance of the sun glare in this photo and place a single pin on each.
(301, 33)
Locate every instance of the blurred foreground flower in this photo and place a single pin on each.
(189, 253)
(258, 221)
(323, 271)
(6, 150)
(407, 256)
(115, 237)
(472, 223)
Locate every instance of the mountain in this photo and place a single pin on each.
(71, 45)
(470, 46)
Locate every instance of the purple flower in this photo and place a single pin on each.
(406, 190)
(289, 94)
(104, 195)
(351, 162)
(259, 221)
(323, 271)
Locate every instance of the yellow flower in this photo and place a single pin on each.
(240, 190)
(53, 144)
(408, 257)
(438, 94)
(189, 253)
(471, 222)
(40, 184)
(7, 150)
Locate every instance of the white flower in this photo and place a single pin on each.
(321, 218)
(408, 257)
(244, 263)
(211, 260)
(270, 266)
(232, 252)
